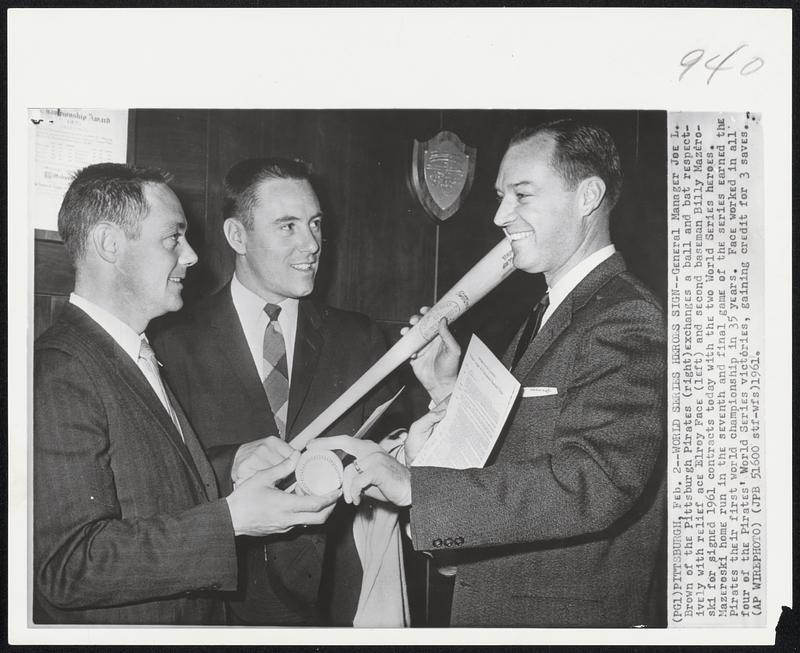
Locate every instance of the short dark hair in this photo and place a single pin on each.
(581, 150)
(105, 191)
(241, 184)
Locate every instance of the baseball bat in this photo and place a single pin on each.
(483, 277)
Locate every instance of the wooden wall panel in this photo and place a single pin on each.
(42, 314)
(380, 253)
(52, 305)
(53, 279)
(52, 273)
(177, 140)
(384, 244)
(232, 137)
(45, 311)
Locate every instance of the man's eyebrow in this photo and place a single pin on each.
(515, 186)
(293, 218)
(178, 224)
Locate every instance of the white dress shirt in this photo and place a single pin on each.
(578, 273)
(131, 343)
(250, 309)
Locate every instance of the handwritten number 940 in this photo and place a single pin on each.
(716, 64)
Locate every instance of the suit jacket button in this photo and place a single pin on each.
(437, 543)
(459, 541)
(448, 542)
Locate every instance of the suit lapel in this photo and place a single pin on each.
(553, 328)
(307, 349)
(130, 374)
(132, 377)
(562, 316)
(200, 466)
(231, 345)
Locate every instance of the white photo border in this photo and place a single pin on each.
(532, 58)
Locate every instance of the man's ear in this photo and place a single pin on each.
(107, 239)
(591, 192)
(236, 235)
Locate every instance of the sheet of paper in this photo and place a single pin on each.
(482, 398)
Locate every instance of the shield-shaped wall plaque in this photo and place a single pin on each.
(442, 170)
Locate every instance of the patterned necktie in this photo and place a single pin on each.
(531, 328)
(148, 363)
(276, 374)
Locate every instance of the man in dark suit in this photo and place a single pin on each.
(566, 524)
(221, 360)
(129, 527)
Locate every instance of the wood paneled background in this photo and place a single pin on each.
(382, 255)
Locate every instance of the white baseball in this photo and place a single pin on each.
(319, 472)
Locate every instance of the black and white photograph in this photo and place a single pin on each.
(493, 371)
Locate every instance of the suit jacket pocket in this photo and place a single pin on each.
(538, 415)
(545, 402)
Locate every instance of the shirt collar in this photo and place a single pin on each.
(289, 308)
(571, 279)
(250, 306)
(123, 335)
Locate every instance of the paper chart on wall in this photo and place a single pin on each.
(61, 142)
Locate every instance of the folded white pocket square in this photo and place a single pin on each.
(539, 392)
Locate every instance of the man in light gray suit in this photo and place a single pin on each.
(566, 525)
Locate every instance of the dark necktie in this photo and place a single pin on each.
(531, 328)
(276, 375)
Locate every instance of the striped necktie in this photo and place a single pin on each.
(531, 328)
(276, 374)
(149, 364)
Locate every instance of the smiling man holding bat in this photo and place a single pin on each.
(258, 361)
(566, 525)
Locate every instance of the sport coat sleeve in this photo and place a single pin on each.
(582, 475)
(221, 459)
(89, 551)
